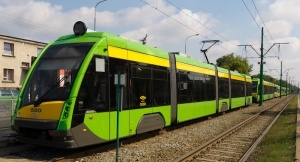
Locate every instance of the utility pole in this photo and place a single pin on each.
(290, 85)
(261, 63)
(261, 67)
(286, 70)
(286, 86)
(280, 78)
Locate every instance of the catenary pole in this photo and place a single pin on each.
(280, 78)
(261, 68)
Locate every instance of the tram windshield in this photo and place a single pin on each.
(55, 73)
(254, 86)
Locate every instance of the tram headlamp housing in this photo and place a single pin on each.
(79, 28)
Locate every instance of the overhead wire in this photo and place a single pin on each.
(250, 14)
(172, 18)
(258, 24)
(264, 24)
(198, 21)
(41, 30)
(203, 26)
(154, 7)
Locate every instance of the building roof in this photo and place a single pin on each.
(11, 38)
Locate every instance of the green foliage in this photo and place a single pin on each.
(279, 143)
(235, 63)
(268, 78)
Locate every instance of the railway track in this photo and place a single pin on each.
(237, 143)
(11, 146)
(144, 147)
(15, 149)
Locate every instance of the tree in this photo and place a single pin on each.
(271, 79)
(235, 63)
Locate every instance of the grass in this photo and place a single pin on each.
(279, 143)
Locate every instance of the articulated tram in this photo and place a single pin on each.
(270, 90)
(80, 82)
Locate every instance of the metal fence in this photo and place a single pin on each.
(7, 107)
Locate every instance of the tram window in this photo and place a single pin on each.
(242, 89)
(234, 92)
(148, 86)
(237, 89)
(160, 74)
(249, 88)
(254, 88)
(160, 93)
(160, 89)
(185, 87)
(199, 88)
(141, 96)
(223, 88)
(139, 71)
(210, 88)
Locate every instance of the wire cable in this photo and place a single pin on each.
(154, 7)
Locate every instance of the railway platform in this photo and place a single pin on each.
(297, 154)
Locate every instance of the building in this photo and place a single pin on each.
(15, 61)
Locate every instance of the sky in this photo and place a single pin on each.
(238, 26)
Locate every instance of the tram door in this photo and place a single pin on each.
(116, 67)
(93, 98)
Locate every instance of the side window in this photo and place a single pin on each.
(38, 51)
(161, 89)
(140, 86)
(185, 87)
(210, 87)
(248, 84)
(8, 49)
(238, 89)
(223, 88)
(199, 88)
(148, 86)
(8, 75)
(233, 89)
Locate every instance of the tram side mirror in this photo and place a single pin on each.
(100, 65)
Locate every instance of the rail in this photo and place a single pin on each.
(189, 156)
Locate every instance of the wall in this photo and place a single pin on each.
(24, 49)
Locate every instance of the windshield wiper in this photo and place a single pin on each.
(40, 99)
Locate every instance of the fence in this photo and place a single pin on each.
(7, 107)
